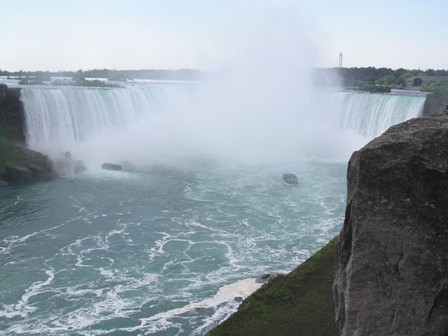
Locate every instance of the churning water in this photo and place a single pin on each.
(171, 245)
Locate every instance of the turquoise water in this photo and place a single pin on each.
(116, 253)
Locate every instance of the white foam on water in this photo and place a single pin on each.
(220, 314)
(23, 308)
(14, 240)
(241, 289)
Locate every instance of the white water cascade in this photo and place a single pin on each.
(372, 114)
(156, 115)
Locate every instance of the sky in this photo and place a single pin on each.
(57, 35)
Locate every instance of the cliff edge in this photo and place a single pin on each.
(391, 274)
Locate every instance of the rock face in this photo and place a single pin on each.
(20, 165)
(11, 114)
(391, 274)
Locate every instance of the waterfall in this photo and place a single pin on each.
(371, 114)
(66, 115)
(150, 116)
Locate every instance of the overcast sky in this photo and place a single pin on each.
(211, 34)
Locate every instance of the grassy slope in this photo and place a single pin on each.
(299, 303)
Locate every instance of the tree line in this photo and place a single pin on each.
(178, 74)
(355, 77)
(348, 77)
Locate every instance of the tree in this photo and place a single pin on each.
(79, 76)
(387, 80)
(403, 77)
(417, 81)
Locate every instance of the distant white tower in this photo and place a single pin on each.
(340, 59)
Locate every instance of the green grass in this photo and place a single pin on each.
(299, 303)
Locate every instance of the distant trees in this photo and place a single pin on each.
(436, 89)
(176, 74)
(375, 88)
(349, 77)
(356, 77)
(78, 76)
(386, 80)
(403, 77)
(417, 81)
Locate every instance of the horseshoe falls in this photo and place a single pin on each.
(171, 244)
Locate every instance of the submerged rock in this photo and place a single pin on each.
(392, 256)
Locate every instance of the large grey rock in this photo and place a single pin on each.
(111, 166)
(21, 165)
(391, 273)
(79, 166)
(18, 174)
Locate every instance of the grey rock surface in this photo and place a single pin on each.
(391, 275)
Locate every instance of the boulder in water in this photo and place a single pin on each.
(79, 166)
(18, 173)
(111, 166)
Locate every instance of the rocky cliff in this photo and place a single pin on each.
(11, 114)
(17, 163)
(391, 274)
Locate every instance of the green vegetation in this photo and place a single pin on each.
(88, 83)
(370, 76)
(349, 77)
(299, 303)
(375, 88)
(436, 89)
(382, 76)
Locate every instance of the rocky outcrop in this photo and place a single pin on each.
(20, 165)
(391, 274)
(11, 114)
(436, 102)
